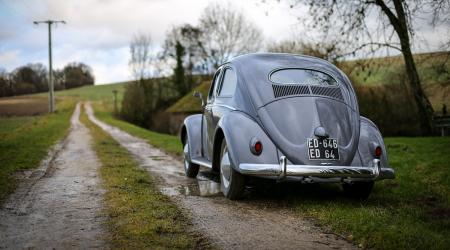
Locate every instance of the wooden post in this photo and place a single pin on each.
(115, 101)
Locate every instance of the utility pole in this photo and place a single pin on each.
(51, 98)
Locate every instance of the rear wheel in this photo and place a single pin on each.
(232, 183)
(190, 168)
(358, 190)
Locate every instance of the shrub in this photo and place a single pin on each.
(390, 107)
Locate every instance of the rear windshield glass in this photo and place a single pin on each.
(302, 76)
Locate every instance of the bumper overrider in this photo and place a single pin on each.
(372, 172)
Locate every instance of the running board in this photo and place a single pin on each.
(202, 161)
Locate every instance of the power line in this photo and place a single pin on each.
(51, 97)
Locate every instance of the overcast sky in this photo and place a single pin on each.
(98, 32)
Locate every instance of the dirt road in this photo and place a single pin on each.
(228, 224)
(58, 206)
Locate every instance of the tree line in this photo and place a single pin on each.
(33, 78)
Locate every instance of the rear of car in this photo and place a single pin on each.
(308, 109)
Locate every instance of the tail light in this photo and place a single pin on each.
(256, 146)
(378, 152)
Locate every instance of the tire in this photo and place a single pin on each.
(358, 190)
(190, 168)
(232, 183)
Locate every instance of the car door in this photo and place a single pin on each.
(208, 117)
(221, 104)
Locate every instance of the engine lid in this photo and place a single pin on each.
(294, 123)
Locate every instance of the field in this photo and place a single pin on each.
(23, 106)
(94, 92)
(26, 140)
(434, 68)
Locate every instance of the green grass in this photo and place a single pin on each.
(94, 92)
(189, 103)
(433, 68)
(410, 212)
(140, 217)
(25, 142)
(9, 124)
(169, 143)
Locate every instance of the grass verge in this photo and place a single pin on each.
(140, 217)
(170, 143)
(25, 142)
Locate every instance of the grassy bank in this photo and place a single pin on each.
(169, 143)
(140, 217)
(433, 68)
(26, 140)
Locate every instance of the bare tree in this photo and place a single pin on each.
(140, 57)
(30, 78)
(348, 23)
(227, 33)
(5, 86)
(141, 98)
(296, 46)
(77, 74)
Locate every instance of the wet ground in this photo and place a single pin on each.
(57, 206)
(249, 224)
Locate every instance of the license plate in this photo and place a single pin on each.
(323, 149)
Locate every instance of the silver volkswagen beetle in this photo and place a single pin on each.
(285, 117)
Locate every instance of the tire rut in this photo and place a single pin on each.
(228, 224)
(58, 206)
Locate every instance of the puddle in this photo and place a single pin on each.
(158, 157)
(207, 185)
(201, 188)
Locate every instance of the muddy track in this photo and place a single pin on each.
(228, 224)
(58, 206)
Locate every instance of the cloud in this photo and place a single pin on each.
(9, 57)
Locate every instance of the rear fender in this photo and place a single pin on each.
(192, 126)
(238, 129)
(369, 138)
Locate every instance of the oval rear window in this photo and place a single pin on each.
(302, 76)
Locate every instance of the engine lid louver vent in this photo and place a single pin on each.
(291, 89)
(286, 90)
(327, 91)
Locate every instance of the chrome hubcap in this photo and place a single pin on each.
(225, 169)
(186, 155)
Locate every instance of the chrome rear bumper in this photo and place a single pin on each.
(374, 172)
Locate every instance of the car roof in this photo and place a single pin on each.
(254, 70)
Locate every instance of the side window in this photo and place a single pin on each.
(214, 83)
(229, 83)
